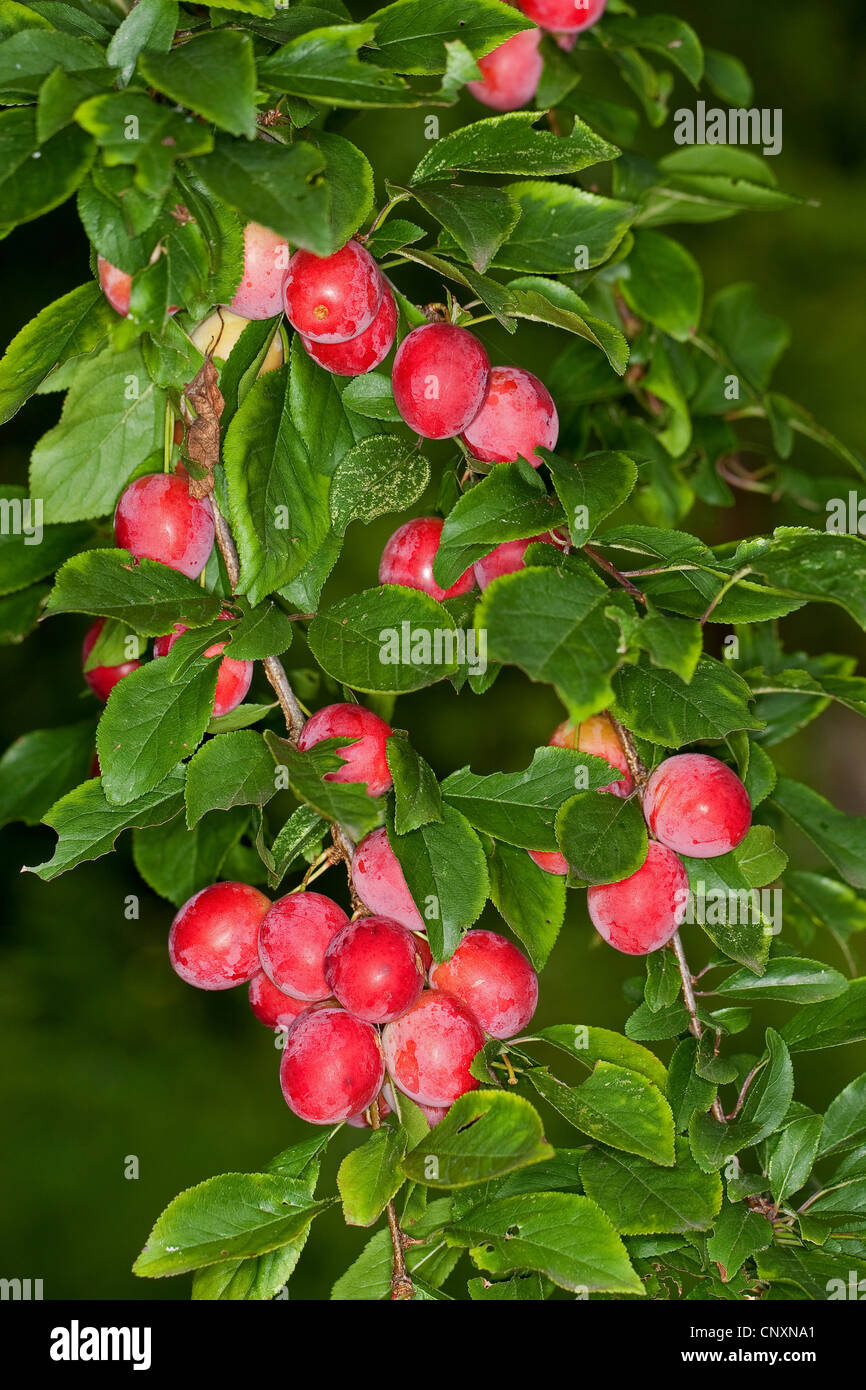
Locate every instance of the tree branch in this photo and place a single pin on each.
(616, 574)
(402, 1287)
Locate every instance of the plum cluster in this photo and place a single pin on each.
(359, 998)
(693, 804)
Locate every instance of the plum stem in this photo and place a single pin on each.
(402, 1288)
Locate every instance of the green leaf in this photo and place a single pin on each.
(417, 799)
(790, 978)
(348, 184)
(840, 838)
(346, 802)
(381, 474)
(510, 503)
(484, 1135)
(276, 185)
(687, 1091)
(370, 1176)
(323, 65)
(235, 1214)
(662, 986)
(590, 1045)
(562, 228)
(176, 862)
(277, 499)
(656, 705)
(614, 1106)
(254, 1279)
(236, 769)
(262, 631)
(816, 565)
(477, 218)
(663, 284)
(833, 1023)
(372, 396)
(154, 717)
(531, 901)
(793, 1155)
(642, 1199)
(520, 807)
(28, 57)
(603, 837)
(112, 422)
(369, 1277)
(35, 178)
(812, 1273)
(448, 902)
(213, 74)
(19, 614)
(387, 639)
(162, 138)
(665, 35)
(40, 767)
(551, 622)
(728, 78)
(541, 300)
(74, 324)
(522, 1288)
(87, 824)
(151, 24)
(411, 35)
(766, 1105)
(591, 489)
(739, 1234)
(301, 833)
(143, 594)
(510, 144)
(845, 1120)
(559, 1234)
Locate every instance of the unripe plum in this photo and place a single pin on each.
(430, 1049)
(116, 285)
(103, 679)
(408, 559)
(333, 298)
(507, 558)
(271, 1006)
(266, 260)
(518, 416)
(511, 72)
(494, 979)
(598, 737)
(233, 679)
(365, 760)
(156, 519)
(293, 938)
(563, 16)
(363, 352)
(331, 1067)
(697, 806)
(213, 939)
(219, 332)
(378, 880)
(641, 914)
(440, 379)
(373, 968)
(550, 860)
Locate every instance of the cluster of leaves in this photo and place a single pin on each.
(173, 127)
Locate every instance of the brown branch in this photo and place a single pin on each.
(635, 763)
(402, 1288)
(695, 1027)
(614, 573)
(744, 1091)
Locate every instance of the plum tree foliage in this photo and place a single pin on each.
(209, 150)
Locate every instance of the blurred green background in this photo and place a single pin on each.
(106, 1053)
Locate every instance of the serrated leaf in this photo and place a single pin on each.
(73, 325)
(370, 1176)
(390, 639)
(235, 769)
(346, 802)
(484, 1135)
(143, 594)
(520, 807)
(176, 862)
(614, 1106)
(87, 824)
(641, 1198)
(213, 74)
(448, 902)
(510, 144)
(739, 1233)
(381, 474)
(603, 837)
(417, 798)
(531, 901)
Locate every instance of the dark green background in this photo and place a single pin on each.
(105, 1052)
